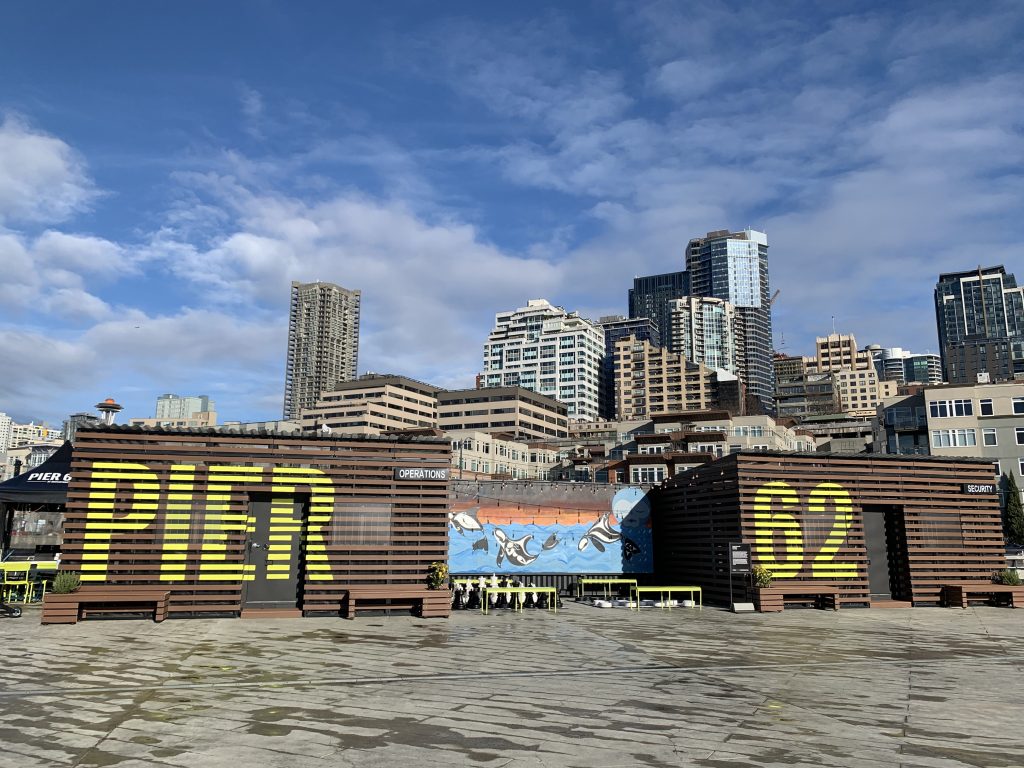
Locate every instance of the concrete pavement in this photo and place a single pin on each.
(586, 687)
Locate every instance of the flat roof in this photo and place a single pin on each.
(136, 429)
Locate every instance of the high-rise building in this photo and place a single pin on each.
(6, 423)
(706, 330)
(616, 327)
(733, 266)
(650, 296)
(545, 349)
(323, 343)
(183, 407)
(904, 367)
(76, 420)
(980, 318)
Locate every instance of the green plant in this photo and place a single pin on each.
(437, 574)
(1007, 576)
(1014, 510)
(66, 581)
(762, 576)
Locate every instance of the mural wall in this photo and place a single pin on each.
(520, 528)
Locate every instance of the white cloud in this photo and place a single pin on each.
(41, 178)
(81, 254)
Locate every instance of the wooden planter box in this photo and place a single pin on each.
(773, 599)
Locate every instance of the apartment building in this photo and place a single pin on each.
(373, 404)
(905, 367)
(650, 379)
(860, 391)
(496, 456)
(681, 442)
(838, 351)
(545, 349)
(985, 421)
(323, 343)
(191, 420)
(705, 330)
(839, 378)
(33, 434)
(980, 318)
(511, 410)
(6, 424)
(804, 395)
(170, 406)
(616, 327)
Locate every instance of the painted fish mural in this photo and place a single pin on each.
(600, 533)
(598, 541)
(465, 520)
(514, 551)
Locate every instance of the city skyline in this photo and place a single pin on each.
(451, 165)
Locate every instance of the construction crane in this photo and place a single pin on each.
(774, 297)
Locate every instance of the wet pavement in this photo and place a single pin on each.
(586, 687)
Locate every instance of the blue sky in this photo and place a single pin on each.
(167, 170)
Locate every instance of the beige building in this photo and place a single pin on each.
(838, 351)
(373, 404)
(495, 456)
(33, 434)
(683, 441)
(199, 419)
(983, 420)
(860, 391)
(855, 379)
(513, 410)
(651, 380)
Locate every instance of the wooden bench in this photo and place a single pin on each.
(773, 599)
(957, 595)
(433, 603)
(69, 608)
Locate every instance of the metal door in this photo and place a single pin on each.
(876, 543)
(274, 551)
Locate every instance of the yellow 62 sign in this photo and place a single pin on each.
(771, 518)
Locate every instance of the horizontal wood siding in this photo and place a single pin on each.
(803, 516)
(169, 509)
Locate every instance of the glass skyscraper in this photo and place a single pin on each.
(980, 319)
(733, 266)
(651, 296)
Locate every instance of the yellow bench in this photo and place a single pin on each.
(607, 583)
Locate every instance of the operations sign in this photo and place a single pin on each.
(421, 473)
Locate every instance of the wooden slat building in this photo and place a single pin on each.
(881, 528)
(232, 522)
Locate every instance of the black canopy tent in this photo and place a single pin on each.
(43, 489)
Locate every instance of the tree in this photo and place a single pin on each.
(1014, 510)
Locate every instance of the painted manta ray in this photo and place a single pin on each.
(513, 550)
(629, 548)
(600, 533)
(465, 520)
